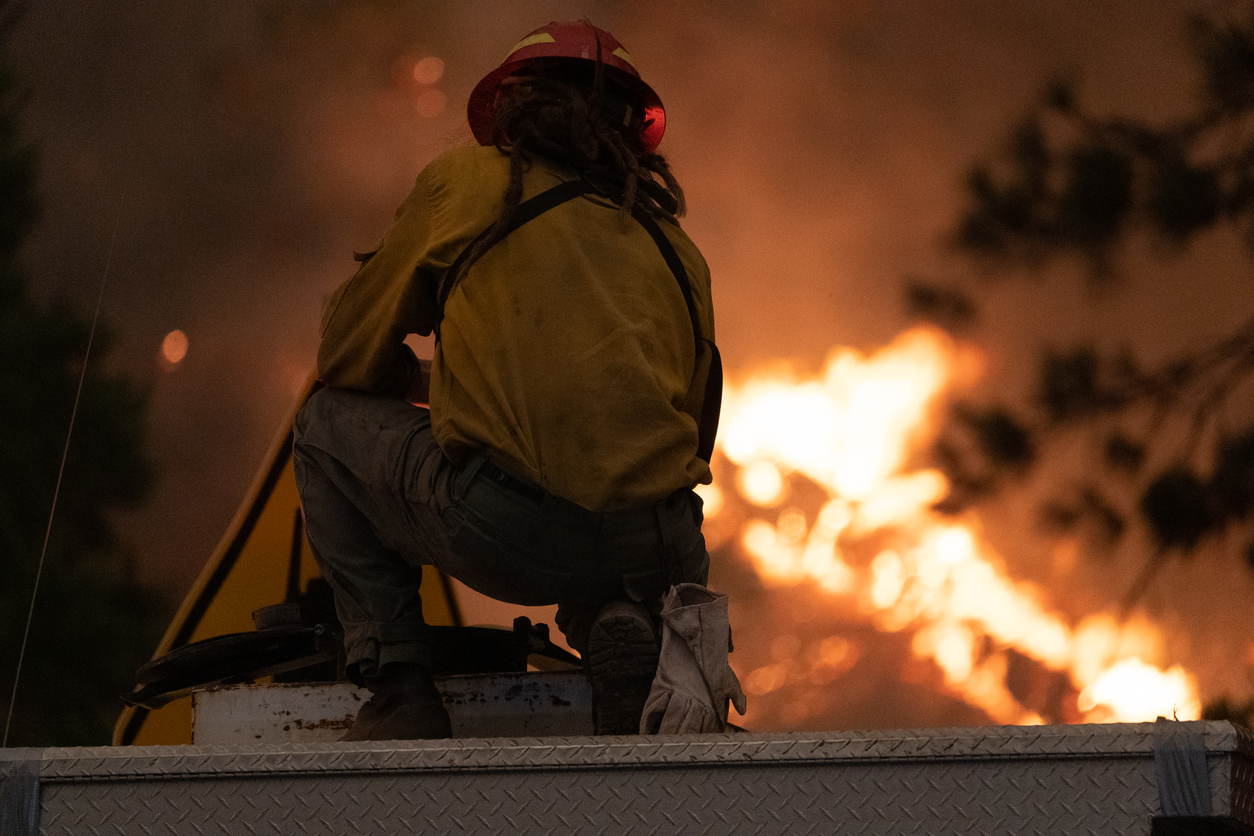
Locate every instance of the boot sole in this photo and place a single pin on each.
(622, 661)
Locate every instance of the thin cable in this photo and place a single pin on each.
(91, 336)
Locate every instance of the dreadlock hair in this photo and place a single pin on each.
(570, 113)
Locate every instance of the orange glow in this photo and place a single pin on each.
(885, 557)
(711, 499)
(174, 347)
(835, 655)
(1134, 692)
(851, 429)
(835, 652)
(429, 70)
(431, 103)
(767, 679)
(761, 484)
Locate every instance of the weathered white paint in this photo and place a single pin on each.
(532, 704)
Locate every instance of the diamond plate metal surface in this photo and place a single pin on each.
(999, 780)
(976, 798)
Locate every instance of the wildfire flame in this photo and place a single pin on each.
(882, 555)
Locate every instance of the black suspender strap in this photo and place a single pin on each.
(707, 426)
(672, 261)
(526, 211)
(532, 208)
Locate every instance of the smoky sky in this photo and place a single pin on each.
(225, 159)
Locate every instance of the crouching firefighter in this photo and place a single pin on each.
(573, 393)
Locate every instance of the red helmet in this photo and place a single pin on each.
(567, 40)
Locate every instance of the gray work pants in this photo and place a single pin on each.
(381, 500)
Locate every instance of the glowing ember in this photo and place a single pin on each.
(174, 347)
(885, 558)
(429, 70)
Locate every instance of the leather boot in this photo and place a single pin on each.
(620, 663)
(405, 705)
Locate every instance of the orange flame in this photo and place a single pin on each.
(851, 433)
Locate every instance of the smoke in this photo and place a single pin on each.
(242, 150)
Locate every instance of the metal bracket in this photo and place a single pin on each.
(19, 799)
(1180, 767)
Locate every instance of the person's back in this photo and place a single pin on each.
(566, 351)
(573, 393)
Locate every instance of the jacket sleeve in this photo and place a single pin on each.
(367, 319)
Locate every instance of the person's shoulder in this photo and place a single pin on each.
(469, 163)
(464, 182)
(685, 246)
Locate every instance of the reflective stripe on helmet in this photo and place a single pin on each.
(538, 38)
(577, 40)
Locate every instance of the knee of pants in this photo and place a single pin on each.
(311, 415)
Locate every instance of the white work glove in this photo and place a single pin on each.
(694, 682)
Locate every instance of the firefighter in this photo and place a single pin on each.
(573, 391)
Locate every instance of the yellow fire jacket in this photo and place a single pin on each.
(566, 352)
